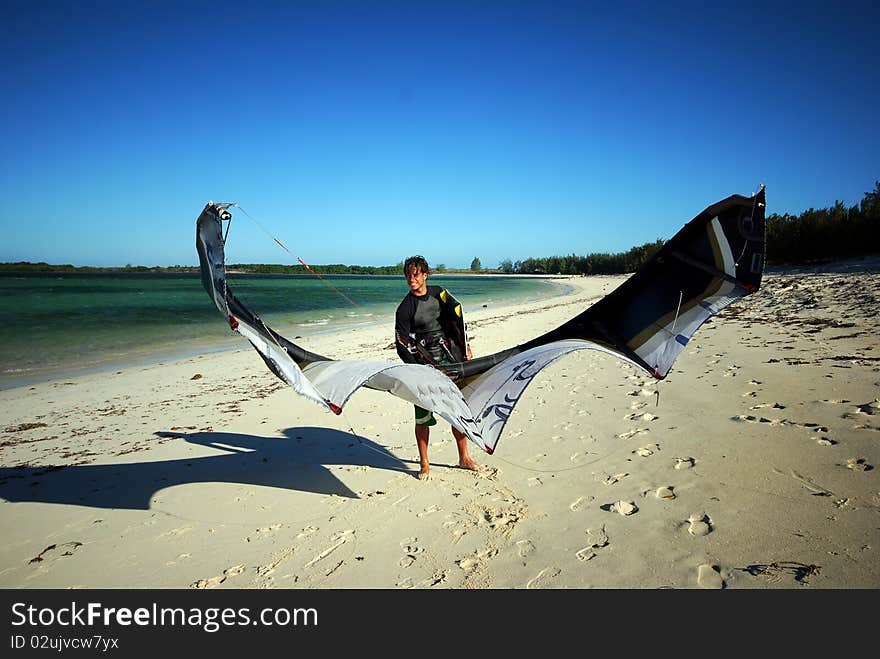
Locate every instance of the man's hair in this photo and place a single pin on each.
(417, 262)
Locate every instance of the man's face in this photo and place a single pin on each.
(417, 280)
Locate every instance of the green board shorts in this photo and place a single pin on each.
(424, 417)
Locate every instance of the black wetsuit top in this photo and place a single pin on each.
(417, 322)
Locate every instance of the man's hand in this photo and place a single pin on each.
(470, 354)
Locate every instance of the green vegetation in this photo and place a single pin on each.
(814, 235)
(591, 264)
(826, 234)
(331, 269)
(27, 267)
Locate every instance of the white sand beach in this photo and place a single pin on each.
(753, 465)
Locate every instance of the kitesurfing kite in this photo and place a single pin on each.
(714, 260)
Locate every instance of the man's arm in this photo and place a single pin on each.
(403, 333)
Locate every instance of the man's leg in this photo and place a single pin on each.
(464, 460)
(422, 433)
(424, 420)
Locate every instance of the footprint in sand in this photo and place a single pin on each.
(578, 503)
(647, 416)
(408, 543)
(751, 418)
(598, 539)
(534, 481)
(665, 492)
(684, 463)
(641, 392)
(868, 409)
(488, 473)
(709, 576)
(622, 507)
(429, 510)
(469, 564)
(213, 582)
(700, 524)
(611, 480)
(455, 528)
(858, 464)
(475, 562)
(525, 548)
(775, 406)
(262, 532)
(812, 427)
(544, 575)
(503, 520)
(585, 554)
(411, 552)
(632, 433)
(645, 451)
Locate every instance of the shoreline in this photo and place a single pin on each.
(192, 347)
(753, 465)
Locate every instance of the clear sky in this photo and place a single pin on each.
(362, 132)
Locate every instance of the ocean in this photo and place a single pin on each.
(58, 325)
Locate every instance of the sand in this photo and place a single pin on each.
(751, 466)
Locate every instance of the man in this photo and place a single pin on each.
(426, 332)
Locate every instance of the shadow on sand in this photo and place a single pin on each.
(294, 462)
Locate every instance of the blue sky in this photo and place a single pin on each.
(363, 132)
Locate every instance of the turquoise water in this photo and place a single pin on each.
(63, 324)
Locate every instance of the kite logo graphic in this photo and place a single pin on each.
(503, 410)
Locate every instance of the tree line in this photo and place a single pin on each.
(826, 234)
(815, 235)
(30, 267)
(590, 264)
(327, 269)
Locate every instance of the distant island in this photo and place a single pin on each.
(28, 267)
(25, 267)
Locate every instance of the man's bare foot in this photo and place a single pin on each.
(468, 464)
(424, 474)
